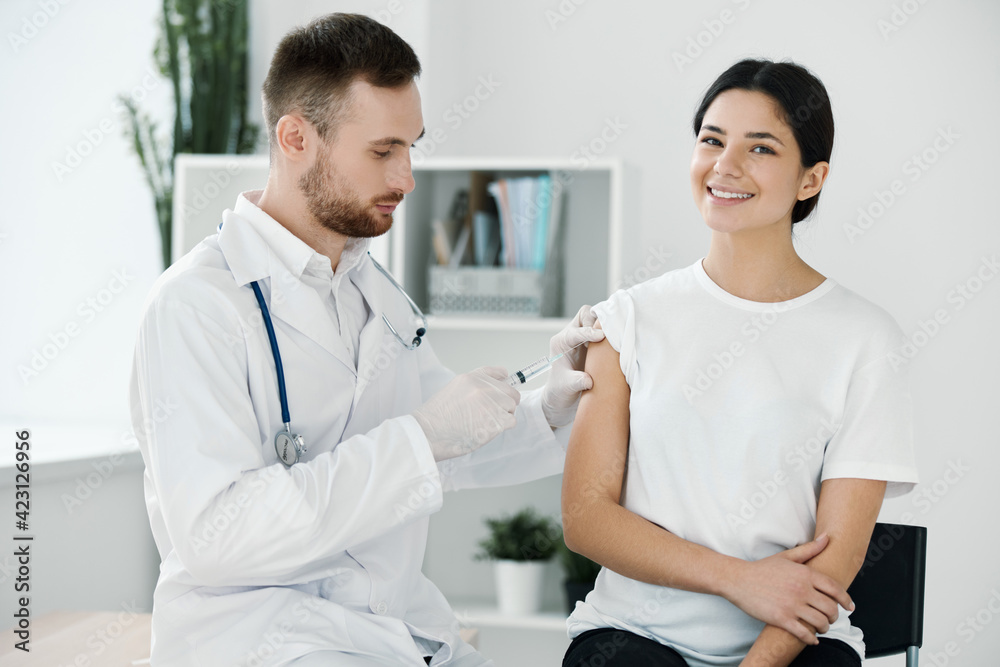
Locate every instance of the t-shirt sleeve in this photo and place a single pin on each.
(617, 318)
(875, 439)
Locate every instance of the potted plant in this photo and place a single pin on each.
(520, 546)
(203, 49)
(581, 573)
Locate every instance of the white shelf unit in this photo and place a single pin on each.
(591, 221)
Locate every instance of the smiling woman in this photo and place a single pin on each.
(799, 108)
(669, 523)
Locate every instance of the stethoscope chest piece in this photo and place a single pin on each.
(289, 447)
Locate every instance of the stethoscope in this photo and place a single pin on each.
(291, 446)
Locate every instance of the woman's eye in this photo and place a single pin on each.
(711, 141)
(764, 150)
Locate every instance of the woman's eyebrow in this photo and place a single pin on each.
(748, 135)
(763, 135)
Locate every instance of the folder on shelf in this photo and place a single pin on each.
(485, 237)
(507, 251)
(460, 245)
(544, 201)
(440, 242)
(553, 224)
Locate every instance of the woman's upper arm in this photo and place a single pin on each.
(846, 511)
(598, 444)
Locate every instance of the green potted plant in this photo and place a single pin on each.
(203, 50)
(581, 573)
(520, 545)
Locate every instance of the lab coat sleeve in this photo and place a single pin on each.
(529, 451)
(232, 519)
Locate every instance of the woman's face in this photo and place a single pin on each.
(746, 171)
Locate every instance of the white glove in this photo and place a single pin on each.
(470, 411)
(567, 379)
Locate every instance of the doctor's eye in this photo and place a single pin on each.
(380, 154)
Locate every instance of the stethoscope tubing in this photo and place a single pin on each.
(282, 396)
(287, 438)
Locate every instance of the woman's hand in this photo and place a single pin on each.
(781, 591)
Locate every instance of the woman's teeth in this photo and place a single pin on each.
(729, 195)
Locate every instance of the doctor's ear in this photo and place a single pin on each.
(292, 136)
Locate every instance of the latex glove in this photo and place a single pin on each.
(567, 377)
(782, 591)
(468, 412)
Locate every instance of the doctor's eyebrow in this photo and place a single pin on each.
(396, 141)
(748, 135)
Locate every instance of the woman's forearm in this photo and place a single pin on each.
(628, 544)
(847, 510)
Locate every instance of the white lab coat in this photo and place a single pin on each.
(262, 564)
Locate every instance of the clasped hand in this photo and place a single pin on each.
(784, 592)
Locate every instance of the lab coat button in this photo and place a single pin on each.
(381, 608)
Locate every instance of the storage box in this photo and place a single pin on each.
(479, 290)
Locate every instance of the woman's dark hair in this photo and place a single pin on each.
(799, 94)
(314, 66)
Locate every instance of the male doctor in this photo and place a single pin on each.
(318, 562)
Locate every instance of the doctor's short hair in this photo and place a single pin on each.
(803, 100)
(314, 66)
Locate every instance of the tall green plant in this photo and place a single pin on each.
(203, 50)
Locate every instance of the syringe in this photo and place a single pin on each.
(536, 368)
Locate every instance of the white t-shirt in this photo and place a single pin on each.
(738, 411)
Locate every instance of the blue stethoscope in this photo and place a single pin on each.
(290, 446)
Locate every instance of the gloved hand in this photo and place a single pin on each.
(567, 378)
(470, 411)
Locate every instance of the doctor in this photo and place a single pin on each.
(275, 554)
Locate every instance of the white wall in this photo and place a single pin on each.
(67, 233)
(61, 240)
(78, 252)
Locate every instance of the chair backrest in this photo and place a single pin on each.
(888, 592)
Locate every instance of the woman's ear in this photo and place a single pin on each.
(813, 179)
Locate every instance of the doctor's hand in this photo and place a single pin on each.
(782, 591)
(470, 411)
(567, 379)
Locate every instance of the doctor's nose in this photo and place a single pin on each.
(400, 175)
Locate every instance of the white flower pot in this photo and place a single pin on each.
(519, 585)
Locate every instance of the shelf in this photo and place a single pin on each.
(590, 237)
(493, 323)
(512, 164)
(481, 614)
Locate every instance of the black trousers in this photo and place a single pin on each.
(608, 647)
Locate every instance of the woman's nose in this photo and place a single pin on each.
(730, 163)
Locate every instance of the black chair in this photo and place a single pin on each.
(888, 592)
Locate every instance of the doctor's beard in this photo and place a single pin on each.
(332, 202)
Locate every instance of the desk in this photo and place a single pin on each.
(95, 639)
(82, 638)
